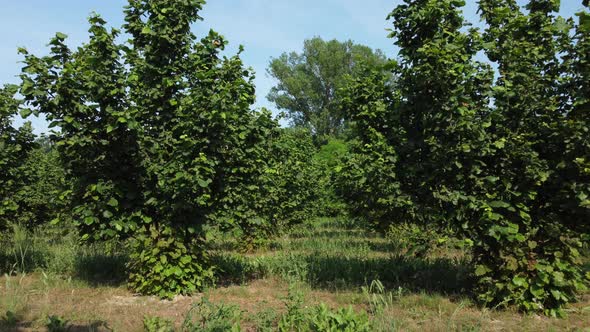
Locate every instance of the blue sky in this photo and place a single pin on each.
(266, 28)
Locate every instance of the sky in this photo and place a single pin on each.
(266, 28)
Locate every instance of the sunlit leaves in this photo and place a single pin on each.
(157, 133)
(502, 163)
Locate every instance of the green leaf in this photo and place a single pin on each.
(499, 204)
(538, 292)
(186, 259)
(520, 281)
(481, 270)
(25, 112)
(204, 184)
(556, 294)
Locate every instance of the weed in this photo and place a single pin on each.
(157, 324)
(10, 319)
(265, 320)
(345, 320)
(16, 299)
(56, 324)
(208, 317)
(294, 318)
(21, 246)
(378, 299)
(319, 318)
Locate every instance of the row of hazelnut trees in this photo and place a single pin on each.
(159, 143)
(500, 154)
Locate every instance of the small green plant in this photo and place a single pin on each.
(209, 317)
(21, 246)
(323, 319)
(15, 299)
(319, 318)
(56, 324)
(9, 319)
(378, 298)
(157, 324)
(265, 320)
(294, 318)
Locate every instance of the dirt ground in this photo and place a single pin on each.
(33, 298)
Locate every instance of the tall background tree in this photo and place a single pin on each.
(308, 82)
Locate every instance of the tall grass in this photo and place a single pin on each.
(59, 252)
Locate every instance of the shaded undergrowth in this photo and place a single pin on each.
(62, 254)
(328, 256)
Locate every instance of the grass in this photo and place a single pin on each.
(307, 277)
(62, 254)
(335, 258)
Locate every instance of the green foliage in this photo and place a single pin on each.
(15, 145)
(421, 240)
(164, 266)
(288, 188)
(9, 319)
(157, 324)
(503, 165)
(158, 136)
(308, 83)
(329, 159)
(56, 324)
(42, 180)
(297, 174)
(208, 317)
(536, 209)
(320, 317)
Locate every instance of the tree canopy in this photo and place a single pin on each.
(503, 163)
(308, 82)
